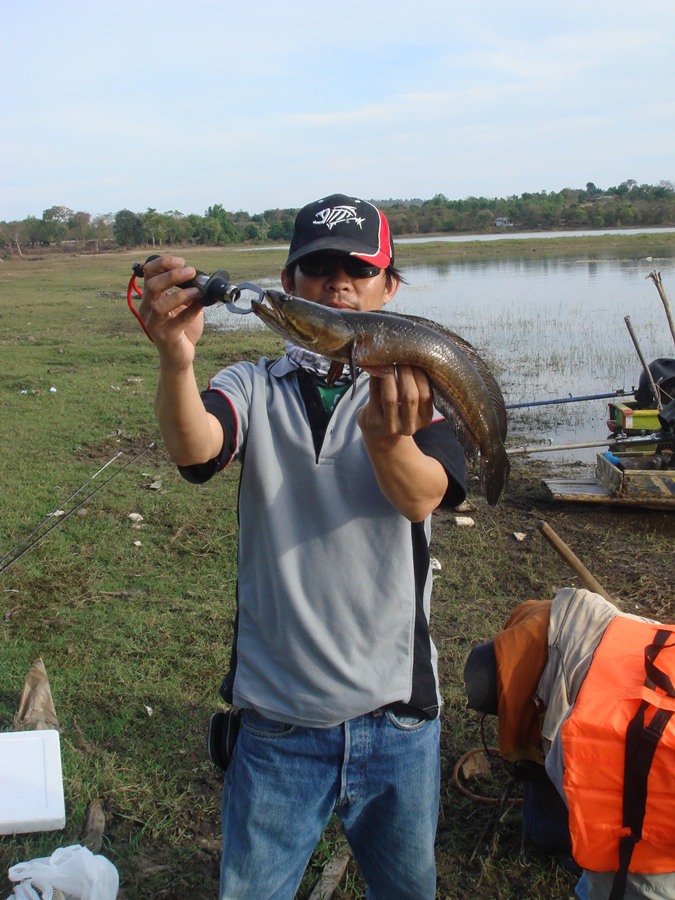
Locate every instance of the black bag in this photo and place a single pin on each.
(222, 736)
(663, 373)
(545, 817)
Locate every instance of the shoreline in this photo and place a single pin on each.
(643, 245)
(268, 261)
(408, 249)
(656, 246)
(248, 263)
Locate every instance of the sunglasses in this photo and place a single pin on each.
(320, 265)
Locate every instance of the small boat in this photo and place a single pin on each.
(642, 480)
(638, 468)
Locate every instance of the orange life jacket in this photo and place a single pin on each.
(619, 751)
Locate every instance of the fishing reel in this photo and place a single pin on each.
(213, 289)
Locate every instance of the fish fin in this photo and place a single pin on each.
(465, 437)
(494, 465)
(334, 372)
(494, 472)
(352, 368)
(485, 373)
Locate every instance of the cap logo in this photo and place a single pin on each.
(334, 215)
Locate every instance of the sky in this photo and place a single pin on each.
(261, 104)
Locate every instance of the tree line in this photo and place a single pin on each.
(628, 205)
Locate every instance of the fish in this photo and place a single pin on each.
(464, 389)
(484, 371)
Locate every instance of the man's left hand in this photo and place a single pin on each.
(400, 403)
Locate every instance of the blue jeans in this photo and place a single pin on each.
(379, 773)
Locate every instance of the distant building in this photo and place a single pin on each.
(503, 222)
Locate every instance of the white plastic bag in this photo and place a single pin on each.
(75, 870)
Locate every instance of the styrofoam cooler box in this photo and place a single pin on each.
(31, 782)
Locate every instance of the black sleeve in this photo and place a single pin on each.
(439, 441)
(217, 405)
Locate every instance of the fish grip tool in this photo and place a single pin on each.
(213, 289)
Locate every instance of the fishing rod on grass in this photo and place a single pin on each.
(58, 511)
(32, 540)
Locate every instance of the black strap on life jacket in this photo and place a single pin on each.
(641, 743)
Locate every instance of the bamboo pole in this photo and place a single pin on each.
(612, 441)
(655, 390)
(656, 278)
(538, 448)
(589, 580)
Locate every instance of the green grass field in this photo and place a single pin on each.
(133, 618)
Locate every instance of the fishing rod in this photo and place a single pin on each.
(628, 441)
(58, 510)
(23, 547)
(622, 392)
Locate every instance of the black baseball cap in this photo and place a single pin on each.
(345, 225)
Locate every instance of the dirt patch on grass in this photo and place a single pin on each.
(628, 550)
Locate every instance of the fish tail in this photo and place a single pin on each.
(494, 472)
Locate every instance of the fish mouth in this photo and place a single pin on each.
(270, 309)
(272, 302)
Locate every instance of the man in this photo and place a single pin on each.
(332, 663)
(545, 675)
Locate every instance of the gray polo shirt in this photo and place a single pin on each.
(334, 584)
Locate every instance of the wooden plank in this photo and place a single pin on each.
(636, 482)
(634, 478)
(591, 491)
(608, 474)
(588, 490)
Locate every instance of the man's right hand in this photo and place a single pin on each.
(173, 317)
(175, 321)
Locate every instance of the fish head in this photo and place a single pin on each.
(306, 323)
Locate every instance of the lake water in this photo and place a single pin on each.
(550, 327)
